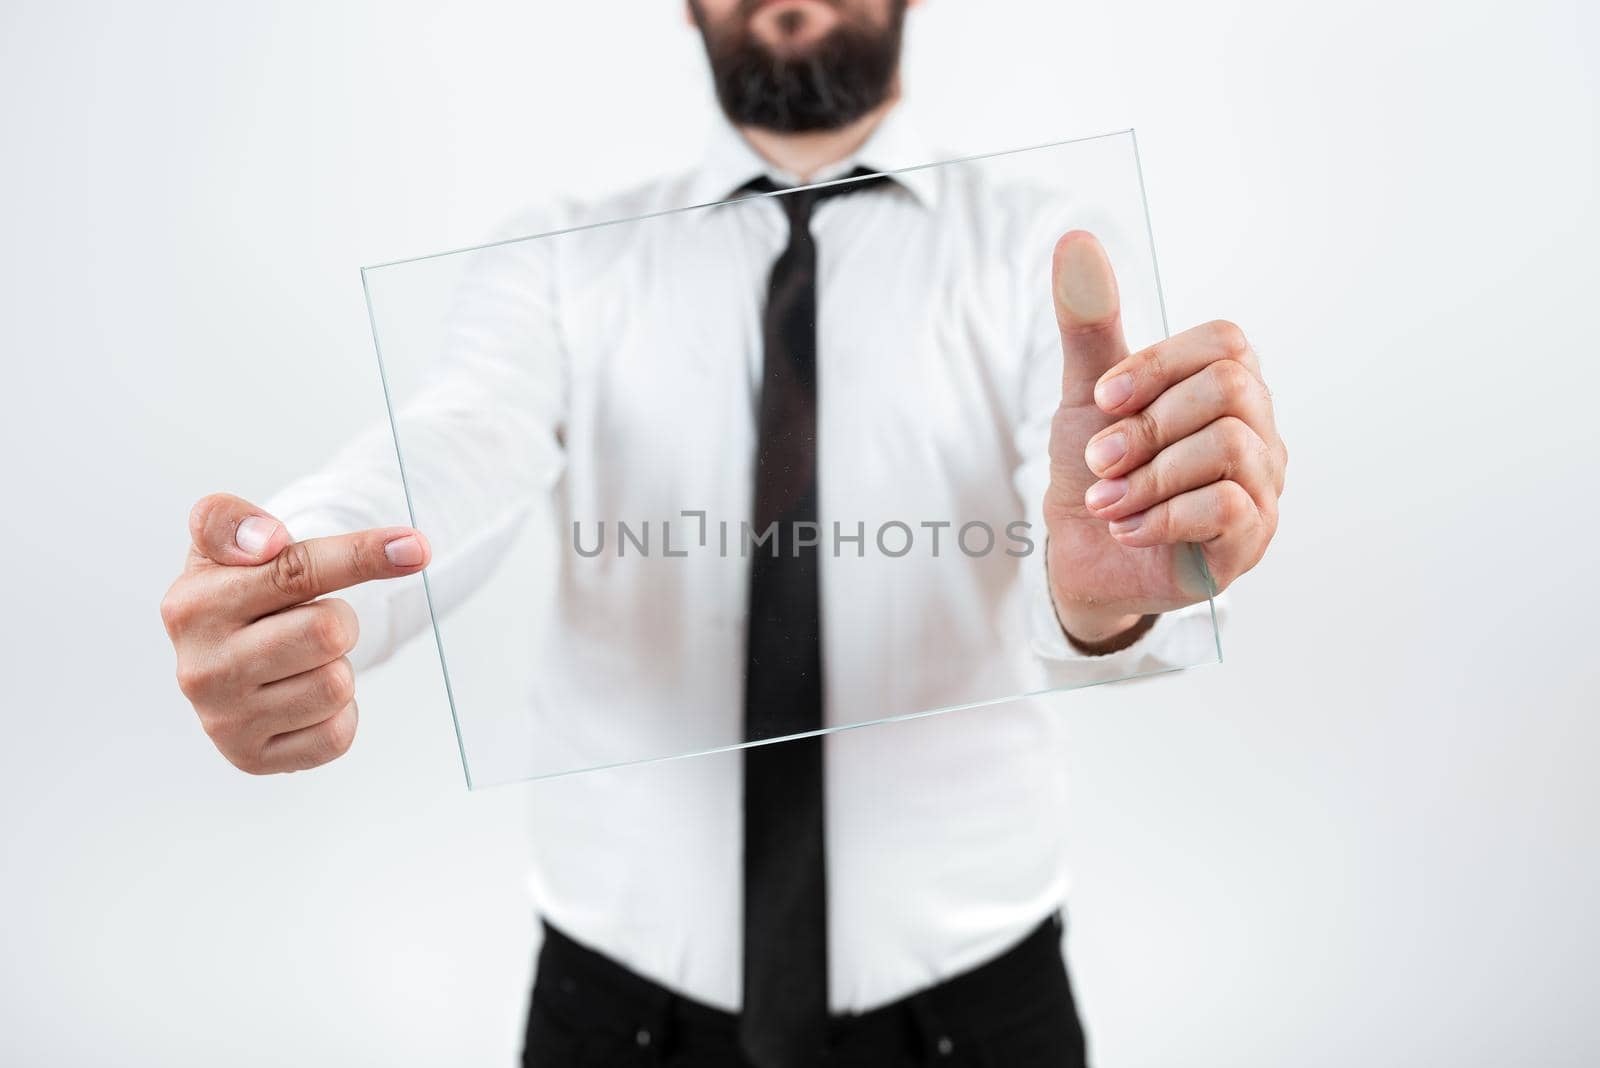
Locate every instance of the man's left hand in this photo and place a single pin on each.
(1150, 452)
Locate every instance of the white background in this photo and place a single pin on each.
(1366, 839)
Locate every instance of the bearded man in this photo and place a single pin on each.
(885, 897)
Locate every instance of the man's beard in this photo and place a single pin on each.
(837, 80)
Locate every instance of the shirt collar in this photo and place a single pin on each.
(897, 143)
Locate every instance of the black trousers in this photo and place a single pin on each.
(1016, 1011)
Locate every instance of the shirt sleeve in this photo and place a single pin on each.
(480, 435)
(1178, 639)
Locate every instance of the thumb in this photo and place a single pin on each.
(228, 530)
(1089, 313)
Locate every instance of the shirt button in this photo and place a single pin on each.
(946, 1047)
(642, 1038)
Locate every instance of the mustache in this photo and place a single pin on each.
(748, 8)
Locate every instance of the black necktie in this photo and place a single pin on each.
(785, 1013)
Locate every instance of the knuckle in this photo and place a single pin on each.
(336, 684)
(1151, 365)
(326, 631)
(198, 680)
(178, 610)
(243, 749)
(1269, 520)
(1263, 459)
(1158, 478)
(200, 514)
(1144, 432)
(365, 557)
(335, 736)
(349, 623)
(291, 573)
(251, 761)
(1229, 338)
(1237, 442)
(1229, 377)
(189, 683)
(1233, 503)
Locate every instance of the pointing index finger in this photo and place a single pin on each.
(306, 570)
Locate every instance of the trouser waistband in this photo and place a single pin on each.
(595, 994)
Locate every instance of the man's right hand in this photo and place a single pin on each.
(262, 661)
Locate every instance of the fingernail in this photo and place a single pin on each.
(253, 533)
(1105, 452)
(404, 552)
(1114, 392)
(1105, 493)
(1127, 525)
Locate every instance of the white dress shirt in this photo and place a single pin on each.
(944, 836)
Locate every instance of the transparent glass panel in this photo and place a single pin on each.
(577, 416)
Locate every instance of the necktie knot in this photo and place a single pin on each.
(799, 203)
